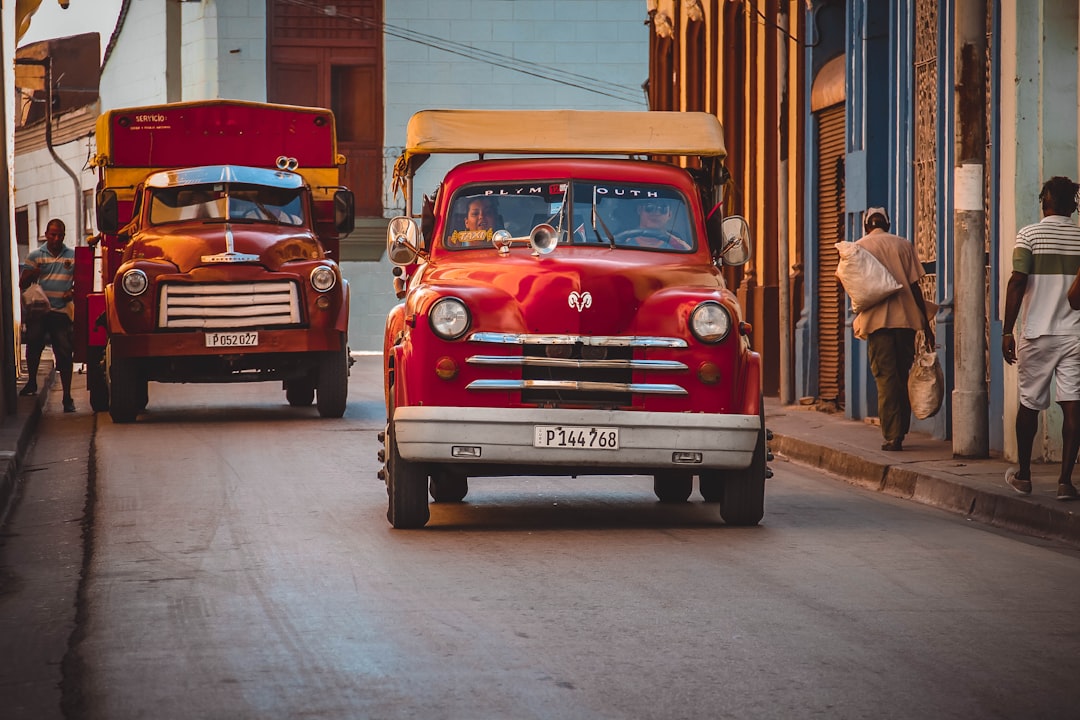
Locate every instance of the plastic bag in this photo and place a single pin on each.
(864, 278)
(926, 384)
(35, 302)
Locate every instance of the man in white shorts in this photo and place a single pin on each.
(1046, 259)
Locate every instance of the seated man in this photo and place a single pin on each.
(654, 219)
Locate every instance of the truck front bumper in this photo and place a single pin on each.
(505, 436)
(193, 343)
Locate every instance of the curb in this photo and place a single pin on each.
(935, 488)
(17, 434)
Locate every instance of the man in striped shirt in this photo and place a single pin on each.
(52, 266)
(1046, 346)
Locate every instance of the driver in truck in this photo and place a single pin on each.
(654, 219)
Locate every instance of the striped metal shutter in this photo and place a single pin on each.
(830, 213)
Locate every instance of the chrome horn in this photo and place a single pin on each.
(287, 163)
(543, 239)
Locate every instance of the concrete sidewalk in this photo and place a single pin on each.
(924, 471)
(17, 431)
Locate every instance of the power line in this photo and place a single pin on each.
(534, 69)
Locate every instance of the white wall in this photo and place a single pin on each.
(1040, 138)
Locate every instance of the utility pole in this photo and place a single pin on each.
(971, 435)
(8, 347)
(787, 391)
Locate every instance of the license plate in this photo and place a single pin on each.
(577, 437)
(231, 339)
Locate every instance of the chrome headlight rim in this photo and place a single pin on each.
(323, 278)
(710, 322)
(134, 282)
(449, 318)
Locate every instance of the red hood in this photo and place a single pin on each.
(186, 245)
(575, 291)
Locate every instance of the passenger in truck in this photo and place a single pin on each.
(654, 219)
(481, 219)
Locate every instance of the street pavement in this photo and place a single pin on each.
(925, 471)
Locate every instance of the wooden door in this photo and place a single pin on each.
(335, 61)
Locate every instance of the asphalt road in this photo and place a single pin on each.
(241, 566)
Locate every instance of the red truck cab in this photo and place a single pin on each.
(566, 315)
(219, 222)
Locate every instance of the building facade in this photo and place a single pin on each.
(373, 62)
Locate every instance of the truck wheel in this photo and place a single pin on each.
(334, 382)
(743, 501)
(127, 390)
(448, 487)
(673, 487)
(96, 383)
(300, 393)
(406, 487)
(711, 485)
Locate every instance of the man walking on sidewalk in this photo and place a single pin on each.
(1046, 345)
(889, 327)
(53, 268)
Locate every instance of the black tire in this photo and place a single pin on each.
(333, 382)
(406, 486)
(448, 487)
(96, 384)
(300, 393)
(127, 389)
(673, 486)
(743, 501)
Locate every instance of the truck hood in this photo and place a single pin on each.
(588, 292)
(192, 245)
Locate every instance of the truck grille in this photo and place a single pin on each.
(234, 305)
(578, 370)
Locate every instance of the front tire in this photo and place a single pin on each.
(334, 382)
(406, 486)
(128, 391)
(96, 383)
(743, 495)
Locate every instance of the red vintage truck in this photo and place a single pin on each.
(566, 314)
(219, 225)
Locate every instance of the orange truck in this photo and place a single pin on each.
(219, 224)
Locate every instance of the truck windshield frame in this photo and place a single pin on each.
(598, 213)
(227, 202)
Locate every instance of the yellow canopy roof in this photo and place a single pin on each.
(561, 132)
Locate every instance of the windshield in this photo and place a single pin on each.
(227, 201)
(652, 217)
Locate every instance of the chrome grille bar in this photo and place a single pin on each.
(579, 386)
(519, 360)
(592, 340)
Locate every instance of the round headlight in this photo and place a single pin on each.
(710, 322)
(449, 318)
(323, 278)
(134, 282)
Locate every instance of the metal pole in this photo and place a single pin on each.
(10, 369)
(787, 391)
(971, 435)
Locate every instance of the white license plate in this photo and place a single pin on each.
(231, 339)
(577, 437)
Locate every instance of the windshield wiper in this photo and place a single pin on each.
(597, 219)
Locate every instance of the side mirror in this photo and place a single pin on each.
(403, 240)
(344, 212)
(108, 218)
(735, 248)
